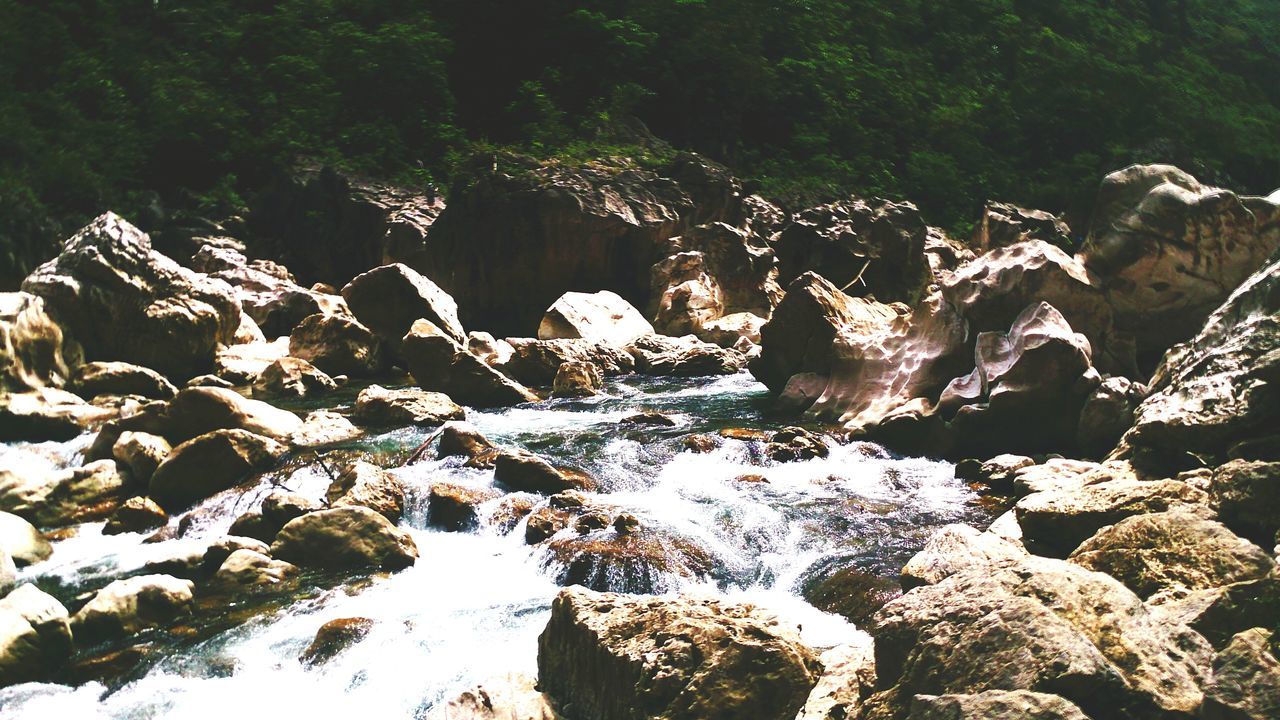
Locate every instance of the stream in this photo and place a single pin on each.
(472, 607)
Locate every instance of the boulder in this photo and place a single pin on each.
(996, 473)
(128, 606)
(367, 485)
(293, 377)
(1246, 680)
(242, 364)
(35, 636)
(123, 301)
(795, 443)
(610, 656)
(246, 570)
(137, 514)
(34, 350)
(323, 427)
(684, 356)
(995, 705)
(1222, 613)
(199, 410)
(1036, 625)
(1216, 392)
(958, 548)
(512, 697)
(455, 508)
(524, 471)
(268, 293)
(141, 453)
(1159, 551)
(334, 637)
(1002, 225)
(732, 330)
(438, 363)
(119, 378)
(536, 362)
(849, 673)
(463, 439)
(1106, 416)
(337, 345)
(217, 553)
(602, 317)
(634, 559)
(211, 463)
(490, 350)
(1171, 250)
(8, 573)
(48, 414)
(378, 406)
(1247, 497)
(21, 541)
(576, 379)
(346, 538)
(64, 497)
(388, 299)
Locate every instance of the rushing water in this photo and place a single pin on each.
(473, 605)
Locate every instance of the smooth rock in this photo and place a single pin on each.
(21, 541)
(209, 464)
(388, 299)
(141, 453)
(249, 571)
(196, 411)
(379, 406)
(522, 470)
(137, 514)
(293, 377)
(67, 496)
(35, 636)
(440, 364)
(456, 507)
(347, 538)
(119, 378)
(511, 697)
(334, 637)
(128, 606)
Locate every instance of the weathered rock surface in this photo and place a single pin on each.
(995, 705)
(683, 356)
(199, 410)
(379, 406)
(35, 636)
(367, 485)
(600, 317)
(141, 453)
(334, 637)
(209, 464)
(439, 363)
(48, 413)
(293, 377)
(1106, 416)
(525, 471)
(246, 570)
(338, 345)
(21, 541)
(34, 350)
(456, 507)
(1002, 225)
(348, 538)
(242, 364)
(512, 697)
(462, 438)
(958, 548)
(127, 606)
(64, 497)
(121, 300)
(849, 673)
(388, 299)
(629, 558)
(1246, 680)
(267, 292)
(536, 362)
(608, 656)
(577, 379)
(1247, 498)
(137, 514)
(324, 427)
(118, 378)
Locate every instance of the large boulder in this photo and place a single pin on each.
(379, 406)
(610, 552)
(118, 378)
(1107, 415)
(388, 299)
(1002, 225)
(602, 317)
(1171, 249)
(345, 538)
(954, 549)
(35, 636)
(34, 350)
(270, 297)
(21, 541)
(524, 471)
(247, 570)
(64, 497)
(141, 453)
(995, 705)
(338, 345)
(513, 697)
(137, 514)
(367, 485)
(576, 379)
(440, 364)
(293, 377)
(128, 606)
(849, 673)
(536, 362)
(683, 356)
(199, 410)
(1037, 625)
(616, 657)
(209, 464)
(123, 301)
(1246, 679)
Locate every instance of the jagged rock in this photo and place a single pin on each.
(612, 657)
(118, 378)
(1003, 225)
(524, 471)
(1247, 498)
(490, 350)
(388, 299)
(1212, 394)
(513, 697)
(335, 636)
(577, 379)
(35, 636)
(269, 294)
(34, 351)
(1158, 551)
(1223, 612)
(684, 356)
(141, 453)
(121, 300)
(137, 514)
(870, 247)
(21, 541)
(367, 485)
(196, 411)
(995, 705)
(1107, 415)
(248, 331)
(293, 377)
(1246, 680)
(209, 464)
(536, 362)
(849, 672)
(795, 443)
(456, 507)
(958, 548)
(64, 497)
(600, 317)
(438, 363)
(246, 570)
(128, 606)
(639, 560)
(347, 538)
(323, 427)
(1172, 250)
(337, 344)
(1038, 624)
(379, 406)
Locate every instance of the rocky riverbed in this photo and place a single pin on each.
(719, 460)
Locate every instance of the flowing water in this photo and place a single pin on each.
(472, 607)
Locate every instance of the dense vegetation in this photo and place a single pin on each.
(107, 102)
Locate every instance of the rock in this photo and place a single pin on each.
(602, 317)
(212, 381)
(524, 471)
(651, 418)
(268, 293)
(611, 656)
(490, 350)
(635, 561)
(137, 514)
(141, 453)
(196, 411)
(123, 301)
(701, 443)
(367, 485)
(242, 364)
(544, 523)
(536, 362)
(997, 473)
(995, 705)
(1209, 395)
(334, 637)
(64, 497)
(128, 606)
(209, 464)
(463, 439)
(684, 356)
(850, 592)
(48, 414)
(215, 554)
(1106, 416)
(280, 507)
(293, 377)
(849, 673)
(577, 379)
(346, 538)
(507, 513)
(1247, 498)
(323, 427)
(1172, 250)
(1003, 225)
(118, 378)
(34, 351)
(248, 571)
(869, 247)
(35, 636)
(512, 697)
(440, 364)
(958, 548)
(388, 299)
(379, 406)
(21, 541)
(1154, 552)
(1246, 680)
(1038, 624)
(731, 330)
(8, 573)
(337, 345)
(796, 443)
(456, 507)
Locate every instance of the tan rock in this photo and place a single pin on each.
(128, 606)
(209, 464)
(602, 317)
(346, 538)
(380, 406)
